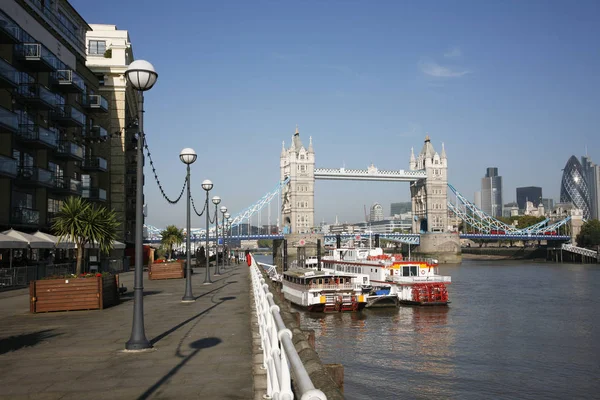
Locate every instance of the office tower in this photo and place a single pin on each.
(49, 148)
(548, 204)
(376, 213)
(529, 193)
(591, 172)
(477, 200)
(400, 208)
(574, 188)
(491, 193)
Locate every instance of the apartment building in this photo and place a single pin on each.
(53, 137)
(109, 54)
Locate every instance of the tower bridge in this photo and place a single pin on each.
(429, 189)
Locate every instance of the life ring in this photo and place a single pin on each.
(422, 272)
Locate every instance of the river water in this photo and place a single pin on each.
(513, 330)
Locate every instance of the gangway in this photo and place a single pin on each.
(580, 250)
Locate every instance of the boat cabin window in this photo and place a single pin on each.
(409, 271)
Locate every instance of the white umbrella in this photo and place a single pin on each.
(34, 242)
(116, 245)
(9, 242)
(60, 243)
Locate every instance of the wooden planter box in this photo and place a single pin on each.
(70, 294)
(170, 270)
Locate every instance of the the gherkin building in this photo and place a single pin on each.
(574, 188)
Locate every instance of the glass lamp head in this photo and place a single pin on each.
(207, 184)
(141, 74)
(216, 200)
(188, 156)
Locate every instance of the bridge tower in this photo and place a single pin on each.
(429, 196)
(297, 197)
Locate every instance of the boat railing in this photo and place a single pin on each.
(280, 358)
(346, 286)
(419, 279)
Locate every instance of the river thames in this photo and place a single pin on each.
(513, 330)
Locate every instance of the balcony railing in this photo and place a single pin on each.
(50, 215)
(95, 163)
(9, 76)
(97, 132)
(95, 102)
(35, 176)
(70, 149)
(9, 121)
(10, 32)
(35, 134)
(76, 36)
(37, 95)
(25, 216)
(94, 194)
(8, 166)
(67, 115)
(68, 185)
(68, 81)
(36, 57)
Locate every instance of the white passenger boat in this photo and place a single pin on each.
(322, 291)
(413, 282)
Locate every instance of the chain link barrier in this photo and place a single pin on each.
(158, 181)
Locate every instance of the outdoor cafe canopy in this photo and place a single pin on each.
(9, 242)
(33, 241)
(60, 243)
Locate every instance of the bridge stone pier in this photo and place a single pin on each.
(427, 175)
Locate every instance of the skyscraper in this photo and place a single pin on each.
(574, 188)
(491, 193)
(376, 212)
(400, 208)
(591, 173)
(529, 193)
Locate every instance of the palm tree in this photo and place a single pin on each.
(171, 236)
(84, 223)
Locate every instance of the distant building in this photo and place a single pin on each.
(387, 226)
(491, 193)
(591, 172)
(510, 209)
(548, 204)
(400, 208)
(574, 188)
(477, 200)
(529, 193)
(376, 213)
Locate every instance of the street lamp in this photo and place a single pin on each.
(225, 232)
(223, 222)
(207, 185)
(142, 76)
(216, 200)
(188, 156)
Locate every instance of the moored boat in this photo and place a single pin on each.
(322, 291)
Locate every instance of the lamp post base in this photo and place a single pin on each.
(188, 300)
(138, 345)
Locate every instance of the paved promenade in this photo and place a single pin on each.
(202, 350)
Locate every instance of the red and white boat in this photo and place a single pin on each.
(413, 282)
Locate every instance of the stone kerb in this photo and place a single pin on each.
(310, 358)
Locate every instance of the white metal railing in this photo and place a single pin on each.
(417, 279)
(280, 358)
(579, 250)
(271, 271)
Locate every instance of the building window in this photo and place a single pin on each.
(97, 47)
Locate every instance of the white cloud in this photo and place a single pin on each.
(454, 52)
(439, 71)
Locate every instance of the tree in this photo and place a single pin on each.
(171, 236)
(589, 236)
(84, 223)
(265, 243)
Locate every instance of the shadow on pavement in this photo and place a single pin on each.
(129, 295)
(187, 321)
(197, 346)
(14, 343)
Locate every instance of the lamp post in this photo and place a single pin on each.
(229, 219)
(188, 156)
(207, 185)
(216, 200)
(225, 233)
(223, 210)
(142, 76)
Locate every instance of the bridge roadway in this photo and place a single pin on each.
(408, 238)
(202, 350)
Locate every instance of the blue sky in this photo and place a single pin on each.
(508, 84)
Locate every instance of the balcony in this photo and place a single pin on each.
(9, 76)
(70, 31)
(96, 103)
(50, 215)
(34, 176)
(9, 121)
(67, 186)
(67, 115)
(94, 194)
(95, 164)
(25, 216)
(70, 150)
(10, 32)
(8, 167)
(67, 80)
(37, 136)
(97, 132)
(35, 57)
(37, 96)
